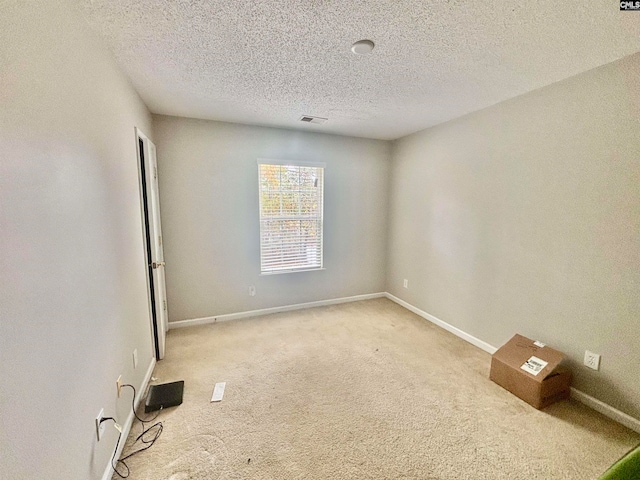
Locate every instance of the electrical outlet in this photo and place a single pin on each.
(119, 384)
(135, 359)
(252, 290)
(592, 360)
(405, 284)
(100, 427)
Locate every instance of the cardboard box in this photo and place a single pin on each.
(532, 371)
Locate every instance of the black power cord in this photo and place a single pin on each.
(148, 442)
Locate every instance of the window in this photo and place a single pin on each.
(291, 204)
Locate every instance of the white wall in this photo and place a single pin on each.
(73, 300)
(209, 199)
(525, 217)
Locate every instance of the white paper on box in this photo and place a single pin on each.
(534, 365)
(539, 344)
(218, 391)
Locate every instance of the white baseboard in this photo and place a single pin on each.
(597, 405)
(126, 428)
(267, 311)
(450, 328)
(606, 409)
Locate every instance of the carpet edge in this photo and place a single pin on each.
(108, 473)
(267, 311)
(584, 398)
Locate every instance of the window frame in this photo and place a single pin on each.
(320, 215)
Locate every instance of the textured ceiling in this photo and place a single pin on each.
(267, 62)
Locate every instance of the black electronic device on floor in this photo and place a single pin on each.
(164, 396)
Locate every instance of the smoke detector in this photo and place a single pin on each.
(310, 119)
(362, 47)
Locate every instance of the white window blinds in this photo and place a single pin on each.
(291, 206)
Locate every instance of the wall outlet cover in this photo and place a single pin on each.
(100, 426)
(592, 360)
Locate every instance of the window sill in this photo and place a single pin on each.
(278, 272)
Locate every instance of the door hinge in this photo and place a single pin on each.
(160, 240)
(164, 302)
(155, 172)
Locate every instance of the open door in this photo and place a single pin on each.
(154, 255)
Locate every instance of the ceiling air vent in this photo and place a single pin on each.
(310, 119)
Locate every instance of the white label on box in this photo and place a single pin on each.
(218, 391)
(534, 365)
(539, 344)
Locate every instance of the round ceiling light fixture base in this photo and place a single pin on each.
(362, 47)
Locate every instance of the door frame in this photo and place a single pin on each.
(143, 161)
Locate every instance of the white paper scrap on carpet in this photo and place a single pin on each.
(218, 391)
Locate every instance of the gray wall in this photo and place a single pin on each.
(73, 299)
(209, 199)
(525, 217)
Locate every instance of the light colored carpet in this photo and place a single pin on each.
(364, 390)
